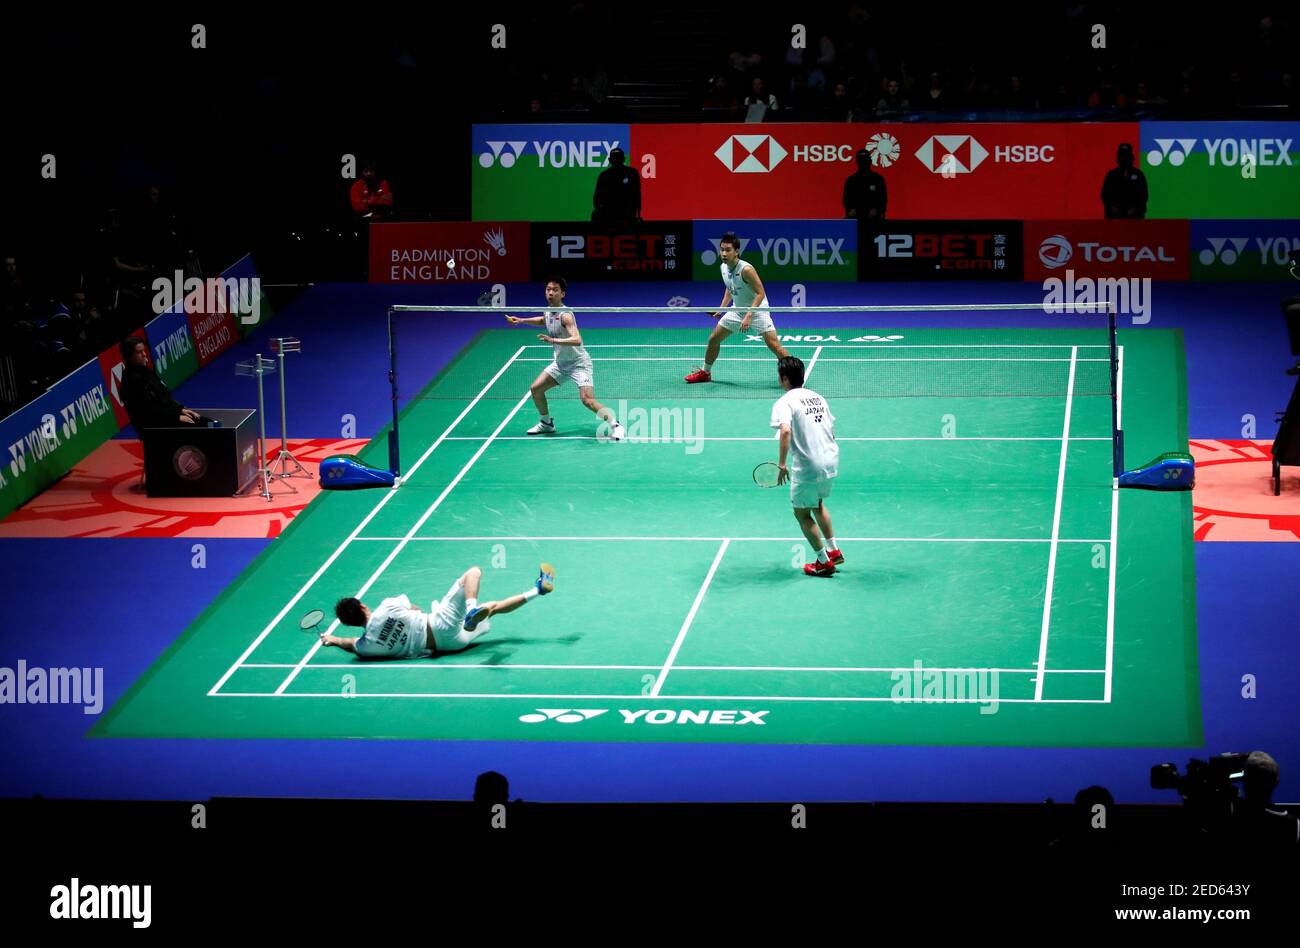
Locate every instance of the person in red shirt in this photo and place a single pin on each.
(371, 197)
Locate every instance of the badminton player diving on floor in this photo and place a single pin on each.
(807, 433)
(398, 630)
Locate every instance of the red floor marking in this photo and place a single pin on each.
(101, 497)
(1233, 498)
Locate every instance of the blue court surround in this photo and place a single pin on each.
(107, 610)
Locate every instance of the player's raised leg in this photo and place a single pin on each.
(476, 617)
(541, 385)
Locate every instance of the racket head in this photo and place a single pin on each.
(767, 474)
(312, 619)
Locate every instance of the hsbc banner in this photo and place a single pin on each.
(478, 252)
(933, 171)
(541, 172)
(1155, 249)
(942, 250)
(1243, 250)
(1222, 170)
(587, 251)
(794, 251)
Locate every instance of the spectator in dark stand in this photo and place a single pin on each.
(1017, 99)
(839, 108)
(1124, 192)
(149, 403)
(720, 97)
(759, 96)
(934, 99)
(892, 102)
(128, 267)
(371, 196)
(157, 233)
(618, 192)
(92, 330)
(865, 195)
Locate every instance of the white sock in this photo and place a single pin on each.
(831, 544)
(708, 367)
(547, 420)
(530, 592)
(822, 557)
(470, 604)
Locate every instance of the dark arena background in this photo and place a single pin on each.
(1020, 635)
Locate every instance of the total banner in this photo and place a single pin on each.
(932, 171)
(942, 250)
(442, 253)
(586, 251)
(1159, 250)
(797, 251)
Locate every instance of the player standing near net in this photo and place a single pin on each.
(572, 361)
(807, 432)
(743, 292)
(398, 630)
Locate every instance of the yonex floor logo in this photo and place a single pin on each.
(562, 715)
(884, 149)
(951, 154)
(1176, 157)
(647, 716)
(503, 153)
(750, 154)
(1055, 251)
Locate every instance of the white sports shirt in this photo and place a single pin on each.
(567, 356)
(813, 451)
(395, 630)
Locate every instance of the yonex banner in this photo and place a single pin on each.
(41, 442)
(171, 348)
(1155, 249)
(541, 172)
(1243, 250)
(587, 251)
(478, 252)
(932, 171)
(942, 250)
(796, 250)
(1222, 170)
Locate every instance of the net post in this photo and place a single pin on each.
(394, 455)
(1117, 435)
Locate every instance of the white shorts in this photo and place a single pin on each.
(579, 373)
(810, 493)
(447, 620)
(759, 323)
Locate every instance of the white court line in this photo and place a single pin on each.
(812, 362)
(434, 666)
(1056, 533)
(690, 617)
(1114, 540)
(591, 539)
(829, 359)
(758, 699)
(829, 345)
(388, 495)
(539, 440)
(405, 540)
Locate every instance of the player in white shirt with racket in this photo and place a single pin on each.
(807, 433)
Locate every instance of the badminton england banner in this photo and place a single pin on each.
(932, 171)
(479, 251)
(1222, 170)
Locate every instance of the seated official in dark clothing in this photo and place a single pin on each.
(865, 195)
(148, 401)
(1124, 191)
(618, 192)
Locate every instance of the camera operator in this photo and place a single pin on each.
(1255, 822)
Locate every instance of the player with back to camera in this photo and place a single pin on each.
(572, 361)
(807, 436)
(743, 290)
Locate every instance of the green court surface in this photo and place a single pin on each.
(996, 589)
